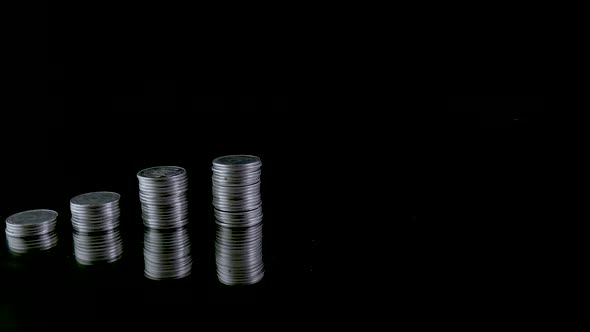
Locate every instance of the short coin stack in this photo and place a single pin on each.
(95, 223)
(164, 205)
(32, 230)
(238, 214)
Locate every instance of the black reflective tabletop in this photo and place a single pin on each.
(380, 199)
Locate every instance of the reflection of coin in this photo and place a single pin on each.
(95, 198)
(96, 247)
(161, 172)
(32, 217)
(22, 245)
(167, 253)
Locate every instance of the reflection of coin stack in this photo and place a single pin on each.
(238, 214)
(95, 220)
(164, 205)
(30, 231)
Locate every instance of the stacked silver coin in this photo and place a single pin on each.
(238, 214)
(32, 230)
(95, 220)
(164, 206)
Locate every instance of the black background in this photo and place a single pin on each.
(409, 197)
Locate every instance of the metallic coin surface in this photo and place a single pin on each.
(100, 198)
(161, 172)
(236, 160)
(31, 217)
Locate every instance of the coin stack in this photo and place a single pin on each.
(95, 223)
(164, 205)
(32, 230)
(238, 215)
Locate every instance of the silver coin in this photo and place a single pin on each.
(249, 201)
(238, 223)
(238, 215)
(158, 172)
(152, 191)
(98, 228)
(163, 219)
(236, 161)
(234, 180)
(240, 174)
(159, 225)
(99, 198)
(180, 209)
(111, 211)
(237, 168)
(165, 207)
(250, 190)
(163, 182)
(32, 230)
(167, 216)
(162, 177)
(254, 200)
(224, 198)
(31, 217)
(236, 172)
(233, 200)
(236, 205)
(254, 195)
(238, 190)
(219, 174)
(162, 200)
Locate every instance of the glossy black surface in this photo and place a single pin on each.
(381, 200)
(412, 213)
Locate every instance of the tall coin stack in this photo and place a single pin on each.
(238, 215)
(95, 223)
(32, 230)
(164, 205)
